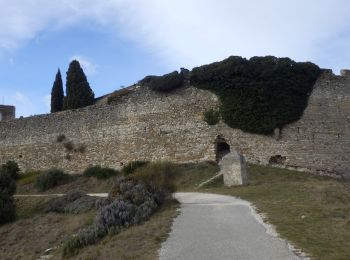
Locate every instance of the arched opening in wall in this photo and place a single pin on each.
(221, 148)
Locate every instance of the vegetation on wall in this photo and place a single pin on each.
(57, 94)
(211, 116)
(165, 83)
(259, 94)
(78, 91)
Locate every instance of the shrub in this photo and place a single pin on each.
(133, 205)
(60, 138)
(50, 179)
(165, 83)
(69, 145)
(7, 182)
(7, 189)
(132, 166)
(7, 208)
(12, 168)
(211, 116)
(75, 202)
(260, 94)
(100, 172)
(159, 176)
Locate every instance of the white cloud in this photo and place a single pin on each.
(193, 32)
(88, 67)
(47, 101)
(21, 99)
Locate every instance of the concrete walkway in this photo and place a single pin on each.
(221, 227)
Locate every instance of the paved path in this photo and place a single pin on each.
(221, 227)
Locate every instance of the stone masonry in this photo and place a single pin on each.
(234, 170)
(145, 125)
(7, 112)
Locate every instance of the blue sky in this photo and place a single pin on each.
(119, 42)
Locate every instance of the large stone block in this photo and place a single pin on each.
(234, 169)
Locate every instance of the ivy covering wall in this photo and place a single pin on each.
(259, 94)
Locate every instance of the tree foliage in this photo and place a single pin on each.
(165, 83)
(7, 189)
(57, 94)
(260, 94)
(78, 91)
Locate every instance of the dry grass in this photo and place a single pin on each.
(188, 176)
(34, 232)
(80, 183)
(310, 211)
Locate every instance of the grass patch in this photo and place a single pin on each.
(189, 176)
(312, 212)
(27, 207)
(100, 172)
(28, 178)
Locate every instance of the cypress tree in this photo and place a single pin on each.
(78, 91)
(57, 94)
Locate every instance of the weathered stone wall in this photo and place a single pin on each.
(146, 125)
(143, 125)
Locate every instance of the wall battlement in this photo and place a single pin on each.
(145, 125)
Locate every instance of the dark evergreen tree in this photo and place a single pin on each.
(78, 91)
(7, 189)
(57, 94)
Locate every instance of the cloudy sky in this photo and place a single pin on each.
(119, 42)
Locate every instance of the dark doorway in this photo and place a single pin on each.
(221, 148)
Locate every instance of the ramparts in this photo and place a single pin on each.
(145, 125)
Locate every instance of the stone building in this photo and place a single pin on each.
(7, 112)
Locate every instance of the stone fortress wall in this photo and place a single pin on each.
(145, 125)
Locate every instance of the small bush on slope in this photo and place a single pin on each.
(132, 166)
(50, 179)
(12, 168)
(133, 200)
(158, 176)
(133, 205)
(7, 189)
(75, 202)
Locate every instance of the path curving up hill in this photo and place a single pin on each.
(212, 226)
